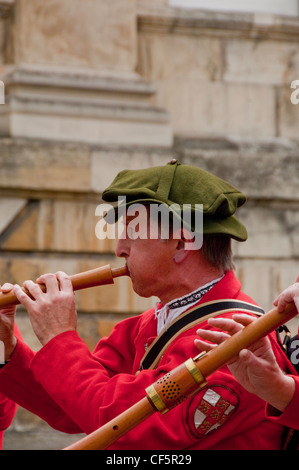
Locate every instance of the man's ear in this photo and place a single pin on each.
(181, 252)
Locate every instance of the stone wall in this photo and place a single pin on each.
(98, 88)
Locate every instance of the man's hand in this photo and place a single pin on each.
(291, 294)
(7, 322)
(51, 312)
(255, 368)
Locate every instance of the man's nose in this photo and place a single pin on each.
(122, 248)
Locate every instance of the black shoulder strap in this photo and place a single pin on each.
(188, 320)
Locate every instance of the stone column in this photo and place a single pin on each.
(71, 75)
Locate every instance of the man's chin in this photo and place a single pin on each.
(142, 291)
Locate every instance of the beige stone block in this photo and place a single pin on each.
(2, 40)
(25, 328)
(100, 299)
(288, 116)
(22, 234)
(261, 62)
(132, 126)
(179, 57)
(38, 165)
(88, 330)
(268, 234)
(217, 22)
(9, 209)
(263, 169)
(284, 274)
(106, 164)
(72, 225)
(76, 33)
(256, 277)
(17, 269)
(264, 280)
(105, 326)
(292, 224)
(57, 225)
(200, 108)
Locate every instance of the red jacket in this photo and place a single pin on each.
(7, 412)
(7, 408)
(290, 416)
(78, 391)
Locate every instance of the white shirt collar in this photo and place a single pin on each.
(168, 312)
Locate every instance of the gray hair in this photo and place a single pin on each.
(217, 250)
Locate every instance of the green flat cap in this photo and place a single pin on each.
(177, 183)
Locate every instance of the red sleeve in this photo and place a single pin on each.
(290, 416)
(17, 382)
(103, 383)
(8, 408)
(7, 411)
(20, 382)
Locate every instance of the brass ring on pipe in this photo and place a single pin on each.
(155, 398)
(194, 371)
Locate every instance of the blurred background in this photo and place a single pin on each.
(98, 86)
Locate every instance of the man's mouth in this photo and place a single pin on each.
(129, 273)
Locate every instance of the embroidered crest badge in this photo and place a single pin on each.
(214, 408)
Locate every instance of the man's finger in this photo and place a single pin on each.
(203, 346)
(226, 324)
(7, 287)
(22, 297)
(212, 336)
(64, 281)
(243, 318)
(50, 281)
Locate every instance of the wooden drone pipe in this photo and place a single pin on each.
(95, 277)
(177, 385)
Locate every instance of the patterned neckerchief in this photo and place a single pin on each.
(168, 312)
